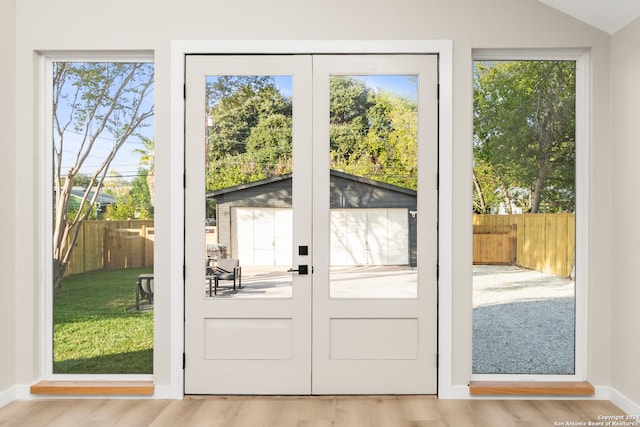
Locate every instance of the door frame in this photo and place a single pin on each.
(175, 230)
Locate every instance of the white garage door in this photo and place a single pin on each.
(369, 236)
(262, 236)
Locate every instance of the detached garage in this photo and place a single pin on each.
(372, 223)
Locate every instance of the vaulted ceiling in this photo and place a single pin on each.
(607, 15)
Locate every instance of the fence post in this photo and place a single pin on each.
(106, 250)
(143, 243)
(513, 243)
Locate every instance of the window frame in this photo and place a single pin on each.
(45, 110)
(581, 58)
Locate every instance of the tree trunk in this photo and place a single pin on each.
(61, 230)
(482, 207)
(507, 202)
(541, 179)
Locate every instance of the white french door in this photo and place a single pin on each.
(278, 148)
(244, 342)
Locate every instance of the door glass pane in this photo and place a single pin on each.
(373, 184)
(249, 167)
(524, 168)
(103, 210)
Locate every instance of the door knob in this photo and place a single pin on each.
(302, 269)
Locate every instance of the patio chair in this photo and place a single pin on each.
(144, 289)
(226, 270)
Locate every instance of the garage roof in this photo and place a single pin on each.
(334, 173)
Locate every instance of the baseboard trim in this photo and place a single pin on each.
(623, 402)
(168, 392)
(93, 388)
(9, 395)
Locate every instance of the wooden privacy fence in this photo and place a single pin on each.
(113, 244)
(495, 244)
(128, 247)
(543, 242)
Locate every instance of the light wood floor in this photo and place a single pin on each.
(383, 411)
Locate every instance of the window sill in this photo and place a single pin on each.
(529, 388)
(94, 387)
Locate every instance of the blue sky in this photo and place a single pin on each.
(404, 86)
(400, 85)
(126, 162)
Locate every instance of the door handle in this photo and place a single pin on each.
(302, 269)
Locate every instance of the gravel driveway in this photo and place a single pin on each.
(523, 322)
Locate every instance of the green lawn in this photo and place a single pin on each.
(95, 332)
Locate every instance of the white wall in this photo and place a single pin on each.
(48, 25)
(7, 212)
(625, 343)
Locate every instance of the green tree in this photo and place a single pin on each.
(81, 180)
(116, 185)
(348, 107)
(237, 104)
(270, 144)
(148, 159)
(135, 203)
(91, 102)
(392, 139)
(249, 130)
(373, 133)
(524, 133)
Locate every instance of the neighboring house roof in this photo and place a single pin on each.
(103, 198)
(334, 173)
